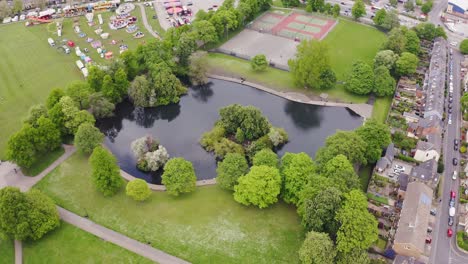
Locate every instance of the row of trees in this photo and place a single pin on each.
(322, 7)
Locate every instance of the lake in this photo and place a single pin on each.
(178, 127)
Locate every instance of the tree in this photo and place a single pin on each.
(54, 97)
(105, 172)
(296, 170)
(316, 5)
(277, 136)
(79, 91)
(230, 169)
(391, 20)
(138, 190)
(311, 68)
(20, 147)
(358, 228)
(315, 184)
(100, 106)
(342, 173)
(156, 159)
(355, 256)
(206, 32)
(167, 87)
(265, 157)
(464, 46)
(179, 176)
(413, 44)
(95, 77)
(393, 3)
(35, 112)
(259, 62)
(108, 89)
(198, 68)
(248, 118)
(72, 117)
(426, 7)
(5, 9)
(87, 138)
(17, 6)
(347, 143)
(260, 187)
(121, 84)
(319, 213)
(42, 214)
(317, 248)
(223, 21)
(406, 64)
(58, 118)
(385, 58)
(429, 31)
(140, 92)
(379, 17)
(359, 9)
(14, 207)
(396, 40)
(46, 136)
(361, 79)
(336, 10)
(464, 101)
(409, 6)
(184, 47)
(130, 63)
(384, 84)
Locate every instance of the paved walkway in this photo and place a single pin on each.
(364, 110)
(18, 252)
(118, 239)
(145, 22)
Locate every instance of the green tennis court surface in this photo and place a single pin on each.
(304, 27)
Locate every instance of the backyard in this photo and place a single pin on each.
(204, 226)
(69, 244)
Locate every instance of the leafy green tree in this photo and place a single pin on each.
(230, 169)
(464, 46)
(58, 118)
(198, 68)
(184, 47)
(464, 101)
(54, 97)
(206, 32)
(265, 157)
(396, 40)
(319, 213)
(138, 190)
(358, 10)
(223, 21)
(358, 228)
(245, 11)
(355, 256)
(312, 68)
(379, 17)
(95, 78)
(385, 58)
(315, 5)
(384, 84)
(296, 170)
(348, 143)
(336, 10)
(391, 20)
(130, 62)
(426, 7)
(409, 6)
(317, 248)
(315, 184)
(14, 207)
(140, 92)
(72, 117)
(100, 106)
(226, 146)
(105, 172)
(361, 79)
(429, 31)
(43, 216)
(35, 112)
(259, 62)
(342, 173)
(179, 176)
(108, 89)
(79, 91)
(87, 138)
(260, 187)
(47, 136)
(248, 118)
(121, 84)
(406, 64)
(17, 6)
(166, 85)
(20, 147)
(377, 136)
(413, 44)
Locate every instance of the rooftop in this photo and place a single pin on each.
(424, 171)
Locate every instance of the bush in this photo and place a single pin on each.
(462, 240)
(105, 171)
(210, 138)
(248, 118)
(406, 158)
(179, 176)
(138, 189)
(225, 146)
(87, 138)
(259, 62)
(464, 46)
(230, 169)
(462, 149)
(261, 143)
(440, 165)
(278, 136)
(265, 157)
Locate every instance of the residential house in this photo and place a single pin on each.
(386, 161)
(426, 151)
(403, 180)
(410, 118)
(424, 172)
(424, 127)
(463, 218)
(410, 237)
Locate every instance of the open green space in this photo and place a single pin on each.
(381, 108)
(365, 173)
(206, 226)
(154, 23)
(28, 71)
(43, 162)
(7, 251)
(350, 41)
(272, 78)
(462, 240)
(69, 244)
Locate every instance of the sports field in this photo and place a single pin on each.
(29, 69)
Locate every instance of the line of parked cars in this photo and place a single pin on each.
(451, 213)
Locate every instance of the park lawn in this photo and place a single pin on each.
(69, 244)
(43, 162)
(381, 108)
(154, 23)
(365, 173)
(273, 78)
(7, 251)
(206, 226)
(350, 41)
(28, 71)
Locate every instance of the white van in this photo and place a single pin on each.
(51, 42)
(452, 211)
(85, 72)
(79, 64)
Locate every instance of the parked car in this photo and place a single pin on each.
(452, 194)
(454, 175)
(452, 202)
(433, 211)
(449, 232)
(455, 161)
(455, 148)
(449, 110)
(428, 240)
(455, 142)
(450, 221)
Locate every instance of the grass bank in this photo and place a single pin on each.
(69, 244)
(43, 162)
(365, 174)
(7, 251)
(206, 226)
(381, 108)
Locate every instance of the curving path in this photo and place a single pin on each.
(144, 18)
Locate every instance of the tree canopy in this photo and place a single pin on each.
(265, 157)
(386, 58)
(347, 143)
(377, 136)
(359, 9)
(296, 170)
(87, 138)
(384, 84)
(342, 173)
(406, 64)
(105, 172)
(138, 190)
(317, 248)
(230, 169)
(361, 79)
(319, 212)
(248, 118)
(179, 176)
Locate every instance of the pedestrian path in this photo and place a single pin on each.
(145, 22)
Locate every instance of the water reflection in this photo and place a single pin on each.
(179, 126)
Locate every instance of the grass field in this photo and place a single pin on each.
(206, 226)
(28, 71)
(7, 252)
(154, 23)
(69, 245)
(43, 162)
(381, 107)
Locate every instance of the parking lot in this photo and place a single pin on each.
(390, 171)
